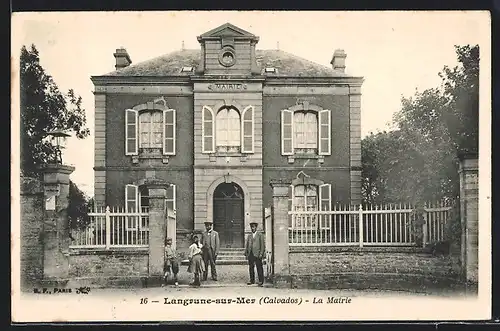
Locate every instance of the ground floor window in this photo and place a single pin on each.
(137, 200)
(309, 197)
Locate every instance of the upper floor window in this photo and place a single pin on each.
(305, 132)
(150, 129)
(228, 130)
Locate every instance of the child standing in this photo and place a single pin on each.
(170, 265)
(195, 261)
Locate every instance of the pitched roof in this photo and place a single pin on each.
(287, 65)
(228, 29)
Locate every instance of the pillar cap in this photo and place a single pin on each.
(54, 167)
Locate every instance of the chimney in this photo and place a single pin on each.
(122, 58)
(338, 60)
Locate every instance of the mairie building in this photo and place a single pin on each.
(219, 123)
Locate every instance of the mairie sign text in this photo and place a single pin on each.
(228, 87)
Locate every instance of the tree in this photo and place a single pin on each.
(43, 109)
(78, 207)
(418, 161)
(450, 111)
(461, 87)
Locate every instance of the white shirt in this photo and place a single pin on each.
(194, 249)
(253, 234)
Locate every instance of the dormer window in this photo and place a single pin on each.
(270, 70)
(187, 69)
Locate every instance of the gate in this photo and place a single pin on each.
(268, 228)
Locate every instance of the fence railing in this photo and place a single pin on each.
(113, 227)
(387, 225)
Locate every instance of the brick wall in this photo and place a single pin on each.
(355, 268)
(108, 268)
(32, 213)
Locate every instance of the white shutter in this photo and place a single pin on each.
(325, 197)
(324, 132)
(169, 133)
(290, 205)
(131, 198)
(171, 201)
(131, 205)
(325, 204)
(207, 130)
(247, 130)
(286, 132)
(131, 129)
(171, 197)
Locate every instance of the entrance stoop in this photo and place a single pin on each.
(230, 256)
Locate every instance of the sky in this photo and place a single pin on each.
(395, 52)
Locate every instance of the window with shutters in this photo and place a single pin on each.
(150, 130)
(228, 130)
(308, 197)
(137, 199)
(305, 132)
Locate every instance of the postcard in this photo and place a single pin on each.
(251, 166)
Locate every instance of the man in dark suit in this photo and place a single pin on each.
(255, 250)
(211, 245)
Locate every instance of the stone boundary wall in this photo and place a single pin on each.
(109, 268)
(31, 226)
(401, 268)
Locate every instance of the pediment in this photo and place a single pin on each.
(227, 30)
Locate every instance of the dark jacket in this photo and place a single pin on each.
(255, 245)
(213, 238)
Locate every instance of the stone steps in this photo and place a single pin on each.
(229, 256)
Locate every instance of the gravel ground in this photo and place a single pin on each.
(233, 279)
(226, 274)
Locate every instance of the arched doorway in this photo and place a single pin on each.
(228, 214)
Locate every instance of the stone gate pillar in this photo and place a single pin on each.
(56, 226)
(469, 205)
(279, 212)
(157, 189)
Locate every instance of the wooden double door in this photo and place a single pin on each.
(228, 215)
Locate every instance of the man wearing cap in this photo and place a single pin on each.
(211, 245)
(255, 250)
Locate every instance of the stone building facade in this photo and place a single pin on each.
(220, 122)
